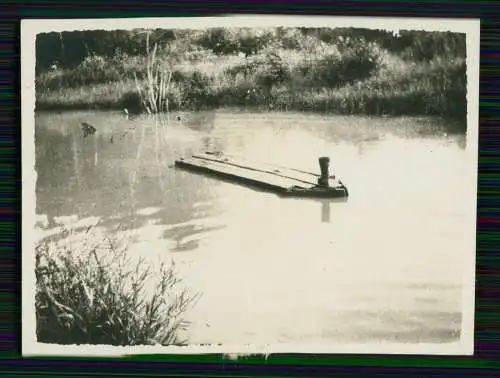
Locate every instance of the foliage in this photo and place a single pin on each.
(92, 294)
(225, 41)
(424, 46)
(376, 71)
(219, 41)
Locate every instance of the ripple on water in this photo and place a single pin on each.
(148, 211)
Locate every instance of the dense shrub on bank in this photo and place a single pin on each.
(92, 70)
(227, 41)
(351, 62)
(90, 294)
(438, 87)
(424, 46)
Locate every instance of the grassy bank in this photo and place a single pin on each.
(280, 69)
(88, 292)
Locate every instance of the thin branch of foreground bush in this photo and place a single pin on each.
(91, 293)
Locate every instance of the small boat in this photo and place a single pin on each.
(283, 181)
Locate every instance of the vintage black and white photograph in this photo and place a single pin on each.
(249, 184)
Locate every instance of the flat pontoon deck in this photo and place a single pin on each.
(281, 180)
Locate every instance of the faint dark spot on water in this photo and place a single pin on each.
(432, 286)
(186, 246)
(429, 300)
(181, 232)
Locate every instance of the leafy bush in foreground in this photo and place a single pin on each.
(89, 294)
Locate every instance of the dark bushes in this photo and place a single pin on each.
(219, 41)
(69, 49)
(352, 64)
(424, 46)
(223, 41)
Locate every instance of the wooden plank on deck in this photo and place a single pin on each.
(243, 174)
(301, 176)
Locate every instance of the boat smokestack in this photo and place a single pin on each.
(324, 165)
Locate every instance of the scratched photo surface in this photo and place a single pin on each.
(249, 185)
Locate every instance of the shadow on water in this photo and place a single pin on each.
(183, 236)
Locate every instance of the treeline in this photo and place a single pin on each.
(68, 49)
(342, 70)
(414, 45)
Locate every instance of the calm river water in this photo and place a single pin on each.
(386, 265)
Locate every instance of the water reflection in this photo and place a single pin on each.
(203, 121)
(325, 212)
(292, 269)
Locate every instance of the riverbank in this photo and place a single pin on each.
(339, 78)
